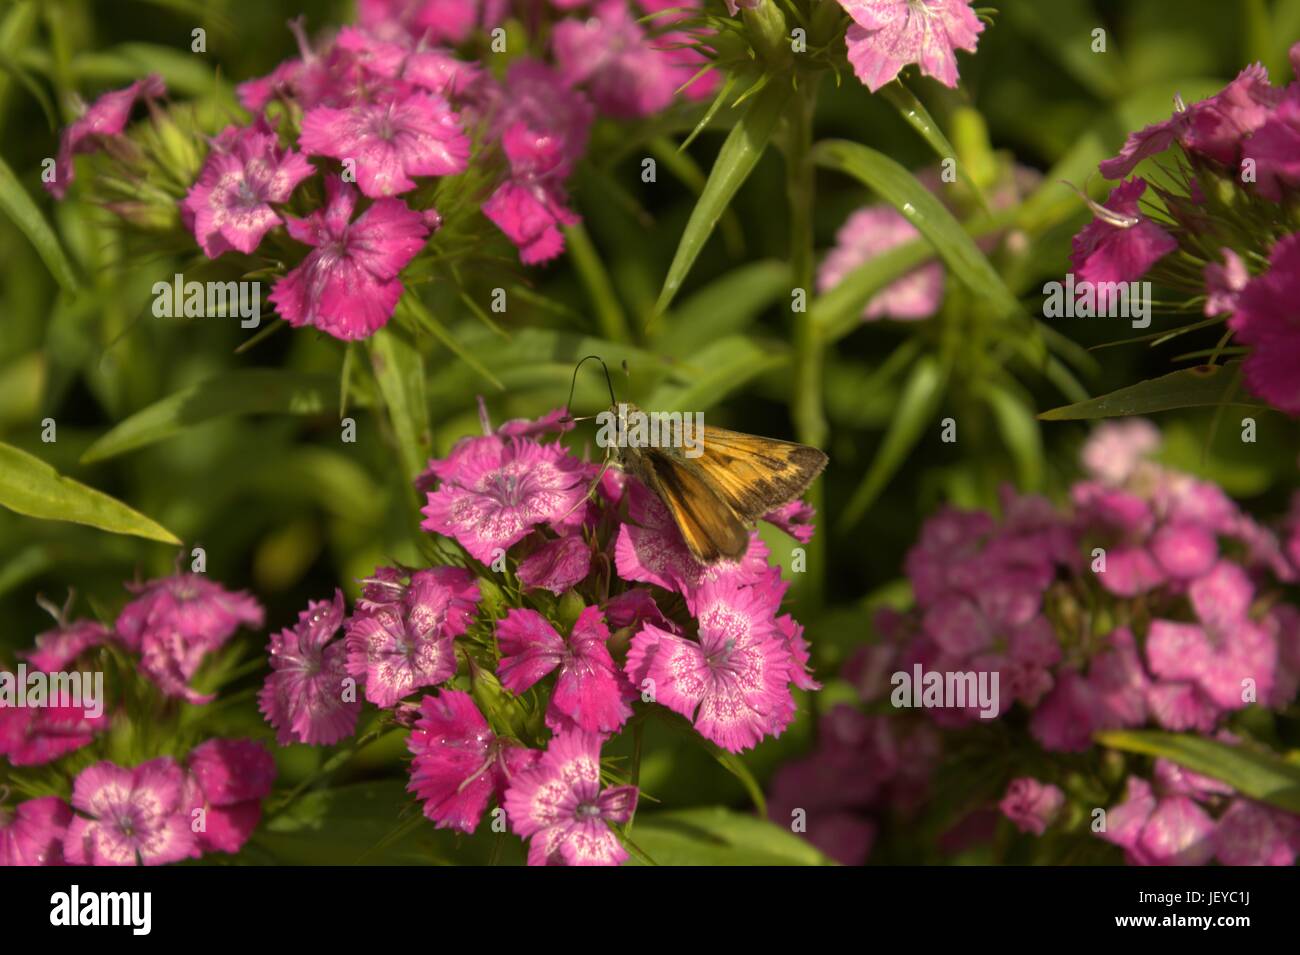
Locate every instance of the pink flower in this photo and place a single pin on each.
(57, 648)
(559, 806)
(1223, 283)
(1224, 649)
(1249, 833)
(1123, 246)
(245, 172)
(1172, 830)
(33, 736)
(33, 833)
(732, 683)
(887, 35)
(129, 816)
(308, 697)
(348, 285)
(229, 779)
(177, 621)
(1032, 806)
(1115, 448)
(557, 565)
(389, 142)
(610, 55)
(459, 765)
(439, 21)
(1275, 147)
(795, 518)
(106, 118)
(867, 234)
(502, 490)
(407, 644)
(590, 693)
(1266, 318)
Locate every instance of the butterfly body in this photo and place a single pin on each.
(717, 490)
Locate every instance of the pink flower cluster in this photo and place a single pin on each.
(151, 814)
(638, 619)
(388, 106)
(1242, 139)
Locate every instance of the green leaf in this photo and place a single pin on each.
(30, 486)
(411, 307)
(724, 306)
(740, 152)
(250, 391)
(19, 207)
(717, 836)
(715, 371)
(918, 117)
(919, 206)
(839, 310)
(1204, 386)
(916, 407)
(399, 369)
(1020, 433)
(1261, 776)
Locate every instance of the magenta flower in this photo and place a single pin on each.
(1224, 649)
(732, 683)
(611, 56)
(1275, 147)
(795, 518)
(1122, 245)
(1249, 833)
(106, 118)
(439, 21)
(245, 173)
(309, 697)
(1223, 283)
(56, 649)
(1115, 448)
(33, 736)
(557, 565)
(229, 778)
(1266, 319)
(177, 621)
(32, 834)
(867, 234)
(347, 285)
(459, 765)
(1032, 806)
(1168, 830)
(501, 491)
(559, 807)
(129, 816)
(887, 35)
(407, 644)
(389, 142)
(590, 694)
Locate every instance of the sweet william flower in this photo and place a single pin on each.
(33, 736)
(1249, 833)
(56, 649)
(559, 805)
(306, 696)
(1031, 805)
(459, 764)
(590, 692)
(868, 233)
(347, 285)
(32, 833)
(611, 56)
(1121, 244)
(129, 816)
(391, 142)
(246, 171)
(401, 646)
(228, 780)
(887, 35)
(557, 565)
(106, 118)
(1266, 319)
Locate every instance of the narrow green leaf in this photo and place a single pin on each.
(1261, 776)
(411, 307)
(918, 117)
(723, 307)
(30, 486)
(1020, 433)
(916, 406)
(715, 371)
(740, 152)
(249, 391)
(595, 279)
(1201, 387)
(399, 370)
(919, 206)
(18, 206)
(718, 836)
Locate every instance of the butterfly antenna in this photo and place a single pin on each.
(574, 384)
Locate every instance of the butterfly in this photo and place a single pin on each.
(717, 494)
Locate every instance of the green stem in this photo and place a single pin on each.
(806, 398)
(609, 313)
